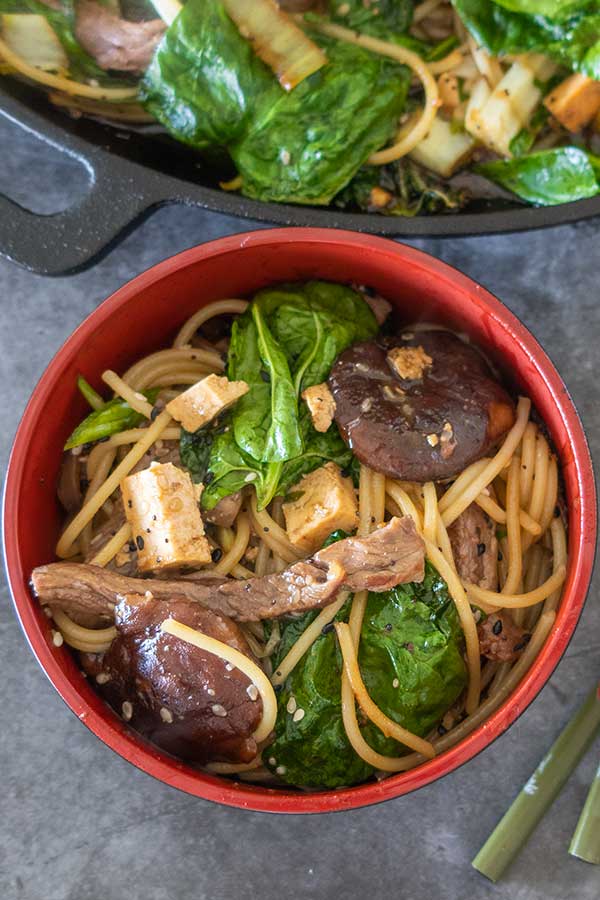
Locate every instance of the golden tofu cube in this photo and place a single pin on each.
(205, 400)
(161, 505)
(321, 406)
(575, 101)
(323, 501)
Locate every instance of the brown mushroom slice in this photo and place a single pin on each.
(418, 406)
(187, 701)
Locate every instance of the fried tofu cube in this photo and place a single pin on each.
(321, 406)
(323, 501)
(575, 101)
(205, 400)
(161, 505)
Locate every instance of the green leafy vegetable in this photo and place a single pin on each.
(288, 339)
(551, 9)
(114, 416)
(208, 88)
(413, 191)
(92, 396)
(383, 19)
(573, 41)
(548, 177)
(411, 661)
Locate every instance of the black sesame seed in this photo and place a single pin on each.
(147, 531)
(500, 557)
(327, 628)
(265, 376)
(216, 554)
(480, 549)
(154, 518)
(388, 627)
(166, 540)
(209, 477)
(497, 626)
(140, 542)
(442, 729)
(556, 512)
(373, 519)
(346, 473)
(519, 646)
(265, 528)
(155, 412)
(130, 503)
(132, 546)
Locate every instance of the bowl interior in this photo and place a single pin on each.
(144, 316)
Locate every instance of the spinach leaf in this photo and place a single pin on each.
(225, 467)
(411, 638)
(115, 416)
(573, 41)
(551, 9)
(383, 19)
(209, 89)
(288, 338)
(548, 177)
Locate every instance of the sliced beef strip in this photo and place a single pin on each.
(500, 639)
(475, 547)
(182, 699)
(389, 556)
(426, 428)
(114, 42)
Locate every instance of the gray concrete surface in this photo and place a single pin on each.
(79, 823)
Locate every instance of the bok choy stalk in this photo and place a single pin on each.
(411, 661)
(287, 340)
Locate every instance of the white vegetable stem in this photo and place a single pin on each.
(168, 10)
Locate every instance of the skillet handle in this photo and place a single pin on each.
(69, 240)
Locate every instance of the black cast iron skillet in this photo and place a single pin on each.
(131, 174)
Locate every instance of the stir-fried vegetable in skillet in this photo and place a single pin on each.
(390, 107)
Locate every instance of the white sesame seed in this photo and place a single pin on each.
(57, 638)
(252, 691)
(272, 761)
(47, 611)
(219, 710)
(229, 667)
(281, 770)
(408, 336)
(251, 476)
(127, 710)
(76, 451)
(166, 715)
(395, 683)
(298, 715)
(149, 595)
(291, 705)
(285, 157)
(210, 692)
(103, 677)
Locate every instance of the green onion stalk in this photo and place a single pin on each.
(540, 791)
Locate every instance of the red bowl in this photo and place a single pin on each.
(143, 316)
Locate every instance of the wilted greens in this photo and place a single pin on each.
(411, 661)
(549, 177)
(287, 340)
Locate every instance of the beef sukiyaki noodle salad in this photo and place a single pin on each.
(306, 544)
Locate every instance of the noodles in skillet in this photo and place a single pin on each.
(515, 488)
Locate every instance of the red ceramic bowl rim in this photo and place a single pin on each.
(220, 790)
